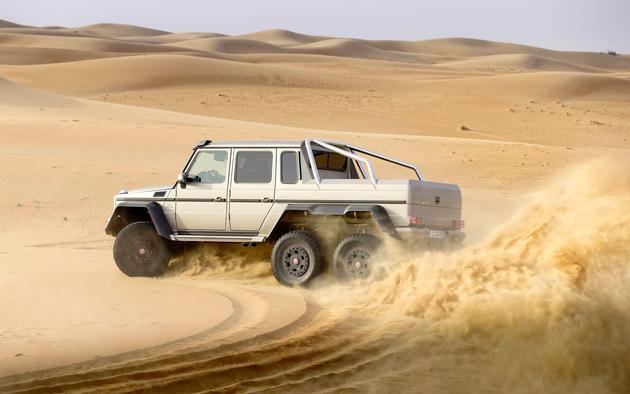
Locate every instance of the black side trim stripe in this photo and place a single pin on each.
(143, 199)
(149, 199)
(251, 200)
(343, 201)
(210, 233)
(198, 199)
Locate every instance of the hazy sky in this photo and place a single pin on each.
(593, 25)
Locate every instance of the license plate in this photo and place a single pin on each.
(436, 234)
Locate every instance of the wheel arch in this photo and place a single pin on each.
(130, 212)
(379, 214)
(374, 212)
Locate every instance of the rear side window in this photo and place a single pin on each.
(253, 167)
(289, 167)
(331, 161)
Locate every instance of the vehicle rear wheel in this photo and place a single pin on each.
(296, 258)
(140, 251)
(353, 257)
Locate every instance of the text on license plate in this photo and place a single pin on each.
(436, 234)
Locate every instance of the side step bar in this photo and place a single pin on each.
(217, 238)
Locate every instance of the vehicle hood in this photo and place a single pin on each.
(145, 192)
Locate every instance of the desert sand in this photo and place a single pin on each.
(539, 141)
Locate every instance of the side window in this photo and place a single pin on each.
(289, 172)
(209, 167)
(253, 167)
(331, 161)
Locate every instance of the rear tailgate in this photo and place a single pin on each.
(438, 204)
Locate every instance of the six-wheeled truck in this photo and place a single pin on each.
(319, 202)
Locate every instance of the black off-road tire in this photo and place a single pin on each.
(353, 260)
(140, 251)
(296, 259)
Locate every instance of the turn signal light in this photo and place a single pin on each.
(415, 220)
(458, 224)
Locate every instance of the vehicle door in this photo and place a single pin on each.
(252, 188)
(201, 204)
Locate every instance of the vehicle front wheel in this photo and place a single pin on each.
(353, 257)
(140, 251)
(296, 258)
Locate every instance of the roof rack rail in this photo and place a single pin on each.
(202, 143)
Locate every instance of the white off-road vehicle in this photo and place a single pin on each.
(318, 201)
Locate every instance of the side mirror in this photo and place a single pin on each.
(181, 180)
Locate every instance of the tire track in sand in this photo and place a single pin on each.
(258, 316)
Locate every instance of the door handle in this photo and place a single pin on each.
(219, 199)
(267, 199)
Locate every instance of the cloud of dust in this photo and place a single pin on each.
(249, 264)
(542, 305)
(224, 261)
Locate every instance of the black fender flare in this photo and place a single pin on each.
(162, 227)
(378, 213)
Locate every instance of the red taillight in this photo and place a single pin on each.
(415, 220)
(458, 224)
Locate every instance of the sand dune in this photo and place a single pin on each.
(80, 43)
(116, 30)
(171, 38)
(336, 47)
(461, 47)
(519, 62)
(466, 47)
(88, 111)
(158, 71)
(229, 45)
(356, 94)
(109, 30)
(469, 49)
(281, 38)
(544, 84)
(330, 47)
(16, 94)
(344, 47)
(130, 38)
(21, 55)
(44, 31)
(4, 24)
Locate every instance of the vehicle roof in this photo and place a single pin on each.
(253, 144)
